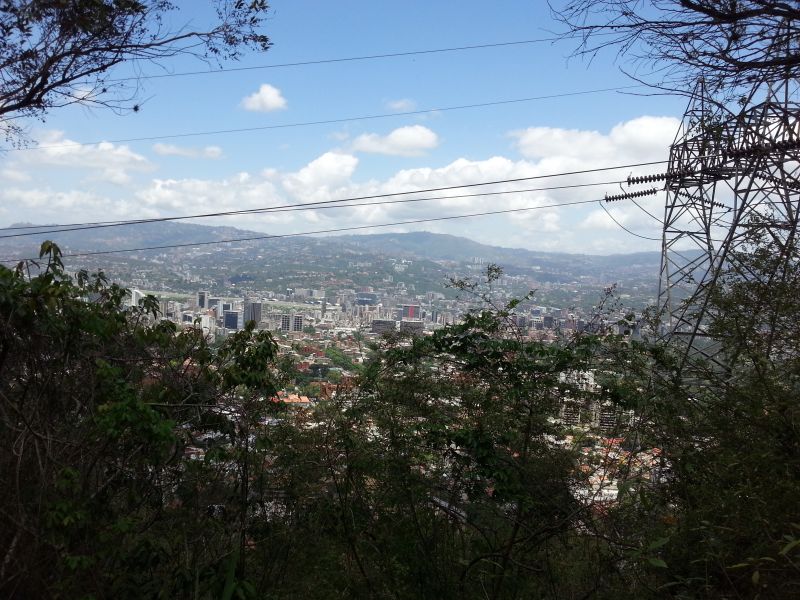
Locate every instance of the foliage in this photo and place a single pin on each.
(136, 461)
(99, 405)
(724, 511)
(59, 52)
(435, 476)
(340, 359)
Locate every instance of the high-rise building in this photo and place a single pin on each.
(233, 319)
(253, 311)
(411, 311)
(202, 298)
(207, 323)
(286, 322)
(297, 323)
(136, 297)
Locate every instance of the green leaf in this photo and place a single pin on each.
(789, 547)
(657, 562)
(658, 543)
(230, 576)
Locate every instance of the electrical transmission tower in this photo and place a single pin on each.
(729, 173)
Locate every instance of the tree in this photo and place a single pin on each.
(674, 43)
(102, 408)
(59, 52)
(438, 478)
(720, 518)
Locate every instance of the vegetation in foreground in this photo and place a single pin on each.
(138, 462)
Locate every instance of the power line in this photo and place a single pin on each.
(325, 121)
(321, 205)
(621, 226)
(647, 212)
(97, 224)
(319, 231)
(325, 61)
(100, 224)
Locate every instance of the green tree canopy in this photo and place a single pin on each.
(103, 408)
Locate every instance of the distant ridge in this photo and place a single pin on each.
(447, 250)
(440, 246)
(423, 244)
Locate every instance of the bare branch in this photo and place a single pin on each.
(57, 53)
(674, 43)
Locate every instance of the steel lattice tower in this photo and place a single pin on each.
(728, 173)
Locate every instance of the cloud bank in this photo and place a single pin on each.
(412, 140)
(337, 174)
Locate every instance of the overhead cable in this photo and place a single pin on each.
(621, 226)
(46, 228)
(325, 61)
(320, 205)
(188, 134)
(319, 231)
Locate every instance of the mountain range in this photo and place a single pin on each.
(355, 260)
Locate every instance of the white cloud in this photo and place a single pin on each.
(241, 191)
(212, 152)
(628, 215)
(14, 174)
(103, 162)
(601, 220)
(638, 140)
(401, 105)
(335, 175)
(331, 168)
(268, 98)
(412, 140)
(46, 205)
(541, 221)
(84, 94)
(315, 181)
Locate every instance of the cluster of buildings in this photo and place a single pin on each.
(307, 323)
(349, 310)
(220, 316)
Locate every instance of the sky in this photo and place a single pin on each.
(285, 159)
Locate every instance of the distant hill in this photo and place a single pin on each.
(122, 236)
(438, 246)
(434, 246)
(441, 248)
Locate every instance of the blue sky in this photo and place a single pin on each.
(290, 165)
